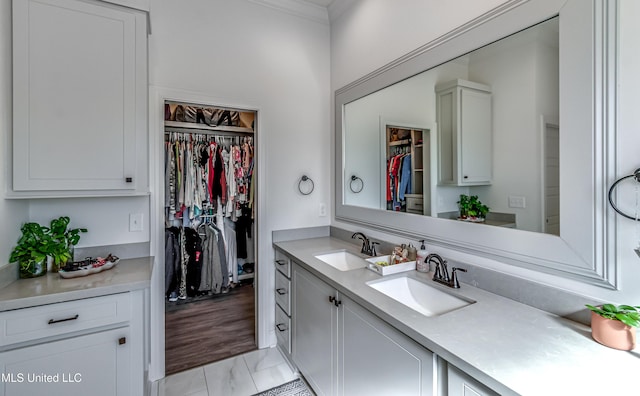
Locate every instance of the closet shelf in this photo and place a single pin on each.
(202, 128)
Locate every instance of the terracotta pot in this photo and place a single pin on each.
(612, 333)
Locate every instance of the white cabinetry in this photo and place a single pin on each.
(342, 349)
(315, 331)
(283, 301)
(461, 384)
(464, 133)
(79, 97)
(376, 359)
(84, 347)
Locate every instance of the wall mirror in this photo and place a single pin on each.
(512, 109)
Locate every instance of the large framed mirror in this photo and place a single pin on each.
(516, 110)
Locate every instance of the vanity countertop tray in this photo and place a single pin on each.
(389, 269)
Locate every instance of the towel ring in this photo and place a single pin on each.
(636, 176)
(305, 179)
(353, 179)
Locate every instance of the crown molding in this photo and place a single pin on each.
(338, 7)
(298, 8)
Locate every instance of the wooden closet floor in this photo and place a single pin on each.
(209, 330)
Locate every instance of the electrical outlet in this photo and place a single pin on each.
(516, 201)
(322, 210)
(135, 222)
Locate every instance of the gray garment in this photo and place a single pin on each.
(171, 260)
(214, 267)
(232, 251)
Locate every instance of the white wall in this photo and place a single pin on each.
(373, 33)
(12, 212)
(361, 44)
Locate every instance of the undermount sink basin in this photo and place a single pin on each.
(343, 260)
(419, 296)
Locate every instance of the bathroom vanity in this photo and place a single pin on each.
(349, 336)
(76, 336)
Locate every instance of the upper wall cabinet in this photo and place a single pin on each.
(463, 114)
(80, 98)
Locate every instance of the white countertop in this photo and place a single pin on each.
(128, 275)
(511, 347)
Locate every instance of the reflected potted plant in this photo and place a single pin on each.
(63, 242)
(471, 209)
(31, 250)
(615, 326)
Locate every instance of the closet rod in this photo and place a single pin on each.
(168, 131)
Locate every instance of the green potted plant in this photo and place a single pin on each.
(31, 250)
(471, 209)
(63, 241)
(615, 326)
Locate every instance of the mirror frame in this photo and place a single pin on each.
(585, 250)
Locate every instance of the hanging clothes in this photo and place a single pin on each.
(206, 177)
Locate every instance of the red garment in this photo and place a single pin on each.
(212, 157)
(223, 179)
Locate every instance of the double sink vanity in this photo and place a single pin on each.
(351, 331)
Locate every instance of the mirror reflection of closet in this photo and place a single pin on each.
(407, 169)
(209, 188)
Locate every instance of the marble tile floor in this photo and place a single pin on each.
(241, 375)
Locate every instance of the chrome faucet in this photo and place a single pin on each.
(368, 247)
(441, 272)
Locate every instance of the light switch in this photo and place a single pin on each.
(516, 201)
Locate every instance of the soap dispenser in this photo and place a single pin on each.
(412, 253)
(421, 257)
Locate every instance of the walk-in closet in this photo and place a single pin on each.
(210, 262)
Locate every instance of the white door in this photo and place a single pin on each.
(551, 180)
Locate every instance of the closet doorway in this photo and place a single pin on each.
(210, 241)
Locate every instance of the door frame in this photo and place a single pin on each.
(157, 97)
(545, 121)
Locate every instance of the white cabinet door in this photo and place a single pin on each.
(79, 95)
(314, 331)
(475, 136)
(95, 364)
(376, 359)
(462, 384)
(465, 133)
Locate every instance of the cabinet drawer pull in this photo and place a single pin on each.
(280, 262)
(281, 327)
(52, 321)
(122, 340)
(128, 179)
(281, 291)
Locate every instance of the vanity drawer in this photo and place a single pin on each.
(283, 292)
(283, 263)
(50, 320)
(283, 329)
(415, 204)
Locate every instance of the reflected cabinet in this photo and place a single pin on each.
(463, 114)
